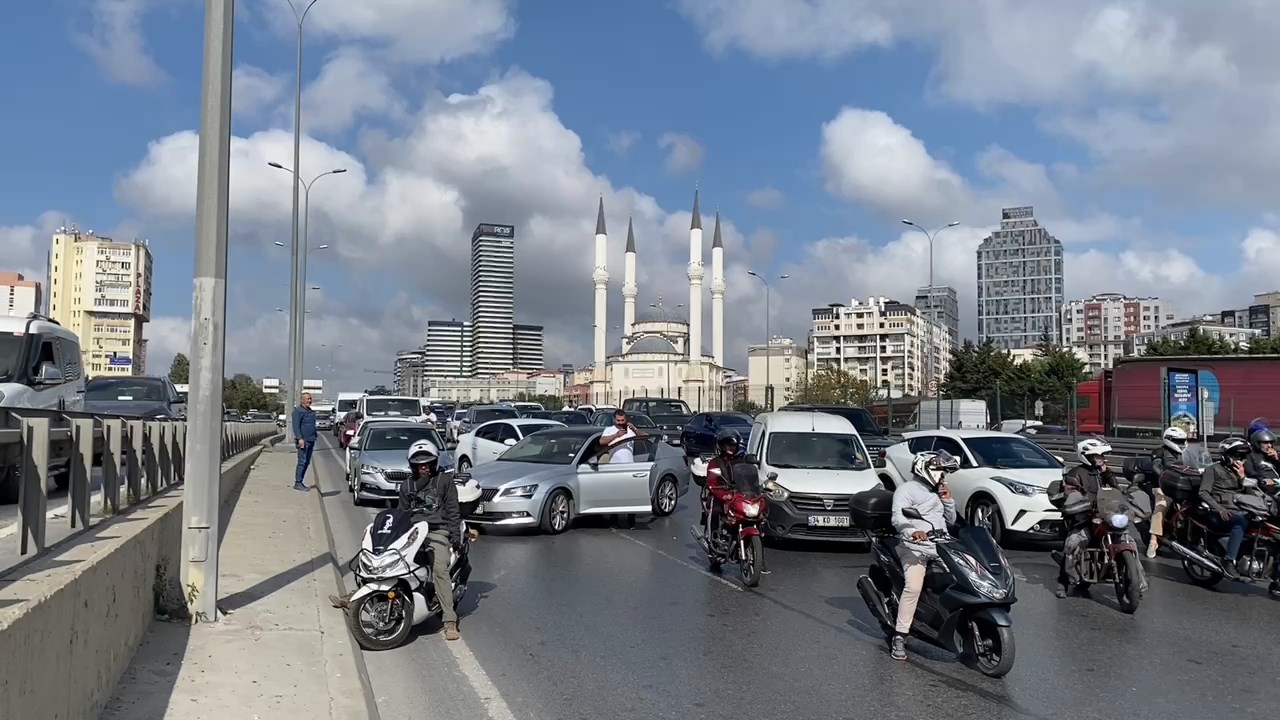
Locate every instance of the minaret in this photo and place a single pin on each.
(600, 377)
(629, 282)
(693, 377)
(717, 294)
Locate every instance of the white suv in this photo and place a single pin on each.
(40, 369)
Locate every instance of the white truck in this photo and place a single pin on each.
(952, 414)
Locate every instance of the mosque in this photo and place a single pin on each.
(661, 354)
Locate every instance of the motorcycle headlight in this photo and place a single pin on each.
(774, 491)
(751, 509)
(1019, 488)
(378, 564)
(524, 491)
(982, 580)
(1119, 521)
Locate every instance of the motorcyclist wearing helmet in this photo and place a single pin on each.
(1263, 460)
(928, 493)
(1219, 484)
(432, 493)
(1172, 445)
(720, 478)
(1086, 480)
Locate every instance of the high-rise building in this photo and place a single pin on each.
(18, 295)
(1020, 292)
(100, 289)
(1100, 326)
(408, 373)
(528, 347)
(781, 365)
(881, 341)
(446, 352)
(939, 304)
(493, 298)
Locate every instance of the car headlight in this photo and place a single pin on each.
(524, 491)
(370, 470)
(982, 580)
(1019, 488)
(774, 491)
(751, 509)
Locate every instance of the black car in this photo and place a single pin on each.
(570, 417)
(876, 438)
(145, 397)
(671, 425)
(699, 435)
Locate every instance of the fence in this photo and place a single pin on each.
(144, 456)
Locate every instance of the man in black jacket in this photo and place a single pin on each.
(1262, 462)
(431, 493)
(1086, 479)
(1219, 485)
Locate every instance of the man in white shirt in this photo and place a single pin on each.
(618, 438)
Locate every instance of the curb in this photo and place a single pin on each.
(362, 670)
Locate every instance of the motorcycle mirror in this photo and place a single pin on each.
(912, 513)
(771, 476)
(751, 459)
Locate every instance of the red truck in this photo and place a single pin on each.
(1133, 398)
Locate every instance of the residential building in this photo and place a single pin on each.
(1099, 326)
(1019, 282)
(18, 295)
(1025, 355)
(780, 364)
(939, 303)
(100, 289)
(409, 377)
(493, 388)
(493, 298)
(1263, 315)
(528, 351)
(1210, 325)
(447, 349)
(881, 341)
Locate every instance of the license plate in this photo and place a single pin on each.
(828, 521)
(480, 509)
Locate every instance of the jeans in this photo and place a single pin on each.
(304, 461)
(1236, 526)
(915, 566)
(438, 540)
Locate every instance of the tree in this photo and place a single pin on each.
(747, 406)
(1197, 342)
(833, 386)
(180, 370)
(985, 372)
(242, 393)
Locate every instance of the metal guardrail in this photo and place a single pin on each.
(144, 456)
(1064, 446)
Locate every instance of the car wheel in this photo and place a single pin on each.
(558, 513)
(984, 512)
(464, 464)
(665, 496)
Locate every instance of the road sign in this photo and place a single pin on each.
(1039, 408)
(933, 387)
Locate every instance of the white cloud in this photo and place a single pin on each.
(766, 198)
(255, 91)
(26, 246)
(350, 85)
(777, 29)
(115, 42)
(620, 142)
(684, 154)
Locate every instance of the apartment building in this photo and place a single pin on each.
(1020, 293)
(1101, 326)
(100, 289)
(18, 295)
(410, 379)
(1209, 325)
(881, 341)
(781, 364)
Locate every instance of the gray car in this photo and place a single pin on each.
(550, 477)
(380, 459)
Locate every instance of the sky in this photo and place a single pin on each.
(1142, 132)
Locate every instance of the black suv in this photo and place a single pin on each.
(876, 438)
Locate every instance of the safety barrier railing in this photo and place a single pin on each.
(142, 456)
(1064, 446)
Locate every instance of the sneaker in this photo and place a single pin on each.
(898, 648)
(451, 631)
(300, 487)
(1151, 549)
(1230, 571)
(1274, 590)
(341, 602)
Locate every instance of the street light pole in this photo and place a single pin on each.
(209, 313)
(932, 310)
(768, 356)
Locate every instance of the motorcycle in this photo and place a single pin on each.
(1111, 555)
(968, 591)
(393, 575)
(738, 538)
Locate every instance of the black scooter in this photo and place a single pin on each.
(964, 606)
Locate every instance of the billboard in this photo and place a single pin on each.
(492, 230)
(271, 386)
(1183, 400)
(315, 387)
(1017, 213)
(119, 360)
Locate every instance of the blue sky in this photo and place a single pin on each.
(1139, 130)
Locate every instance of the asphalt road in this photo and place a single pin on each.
(627, 623)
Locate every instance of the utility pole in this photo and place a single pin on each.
(203, 474)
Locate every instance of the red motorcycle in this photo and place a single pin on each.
(738, 538)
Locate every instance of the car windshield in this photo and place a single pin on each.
(735, 420)
(670, 419)
(860, 419)
(815, 451)
(124, 390)
(527, 429)
(545, 449)
(459, 414)
(395, 407)
(11, 356)
(347, 405)
(535, 414)
(400, 437)
(487, 414)
(665, 407)
(1010, 453)
(570, 418)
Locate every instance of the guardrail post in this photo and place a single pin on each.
(33, 498)
(112, 458)
(179, 445)
(82, 437)
(150, 460)
(164, 451)
(137, 453)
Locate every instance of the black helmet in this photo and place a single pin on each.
(726, 437)
(1261, 436)
(1233, 448)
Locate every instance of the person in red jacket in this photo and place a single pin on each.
(720, 478)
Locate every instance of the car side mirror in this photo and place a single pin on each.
(509, 442)
(49, 374)
(1060, 459)
(912, 513)
(354, 443)
(594, 463)
(751, 459)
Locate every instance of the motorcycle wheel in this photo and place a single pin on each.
(992, 648)
(1199, 576)
(1127, 574)
(377, 633)
(749, 565)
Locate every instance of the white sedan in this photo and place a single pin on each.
(1002, 480)
(486, 442)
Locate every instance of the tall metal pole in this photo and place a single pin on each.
(768, 352)
(302, 277)
(932, 312)
(208, 313)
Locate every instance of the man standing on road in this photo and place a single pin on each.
(304, 436)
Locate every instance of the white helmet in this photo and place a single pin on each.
(1090, 447)
(1175, 438)
(931, 467)
(423, 452)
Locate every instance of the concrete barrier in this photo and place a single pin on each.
(70, 624)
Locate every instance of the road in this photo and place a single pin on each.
(627, 623)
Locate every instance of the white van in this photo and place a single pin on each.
(409, 408)
(40, 369)
(813, 463)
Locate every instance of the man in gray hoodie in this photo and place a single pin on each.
(928, 493)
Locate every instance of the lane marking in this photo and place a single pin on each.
(702, 571)
(490, 698)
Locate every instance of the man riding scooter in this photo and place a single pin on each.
(929, 495)
(1085, 480)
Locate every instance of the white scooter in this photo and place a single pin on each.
(393, 575)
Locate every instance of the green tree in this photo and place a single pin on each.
(985, 372)
(180, 369)
(834, 386)
(747, 406)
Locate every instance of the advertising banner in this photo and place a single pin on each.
(1184, 400)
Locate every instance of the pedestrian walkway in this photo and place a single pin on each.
(280, 650)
